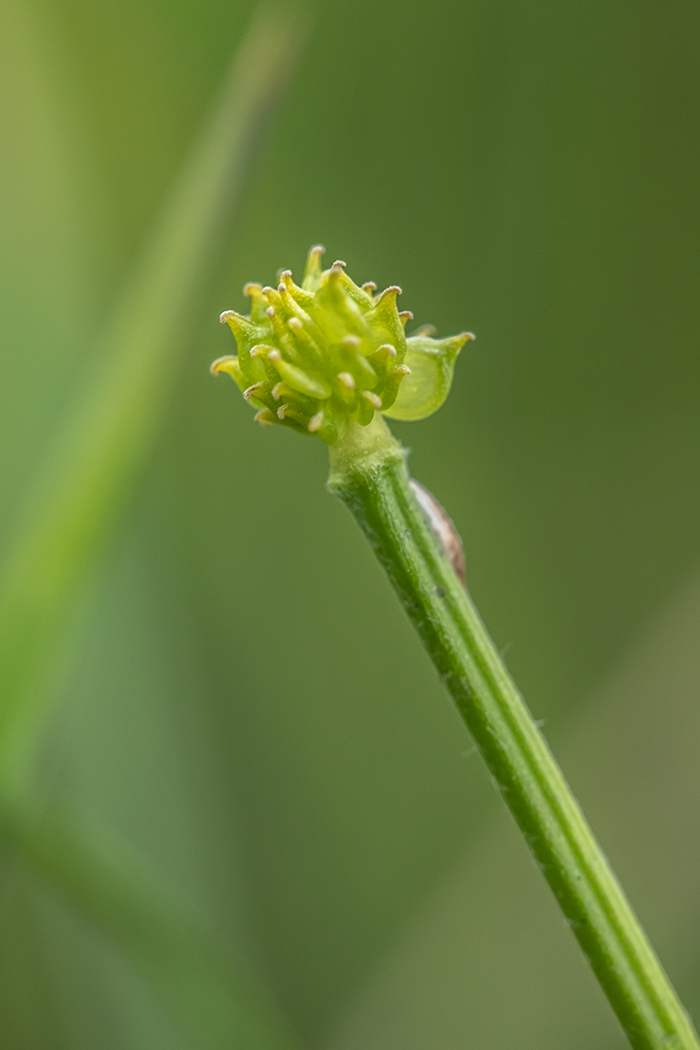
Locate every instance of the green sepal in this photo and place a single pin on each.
(425, 389)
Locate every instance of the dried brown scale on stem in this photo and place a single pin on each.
(443, 527)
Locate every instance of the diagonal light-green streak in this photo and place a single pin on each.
(72, 509)
(82, 485)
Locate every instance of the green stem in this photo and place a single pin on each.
(369, 473)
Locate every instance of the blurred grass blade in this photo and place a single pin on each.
(113, 887)
(82, 485)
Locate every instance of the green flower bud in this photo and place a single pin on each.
(318, 357)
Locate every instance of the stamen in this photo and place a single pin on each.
(218, 366)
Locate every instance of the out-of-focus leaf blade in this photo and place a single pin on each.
(112, 886)
(82, 485)
(50, 216)
(72, 507)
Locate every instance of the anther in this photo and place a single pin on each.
(388, 348)
(251, 390)
(276, 391)
(351, 340)
(295, 323)
(347, 380)
(373, 398)
(270, 311)
(274, 355)
(316, 422)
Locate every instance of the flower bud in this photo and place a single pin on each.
(322, 355)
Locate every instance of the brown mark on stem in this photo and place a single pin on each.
(443, 528)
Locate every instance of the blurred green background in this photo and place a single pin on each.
(244, 700)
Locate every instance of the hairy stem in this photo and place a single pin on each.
(369, 473)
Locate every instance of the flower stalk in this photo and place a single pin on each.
(370, 475)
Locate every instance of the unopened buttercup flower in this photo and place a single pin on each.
(318, 356)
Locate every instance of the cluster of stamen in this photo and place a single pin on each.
(318, 356)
